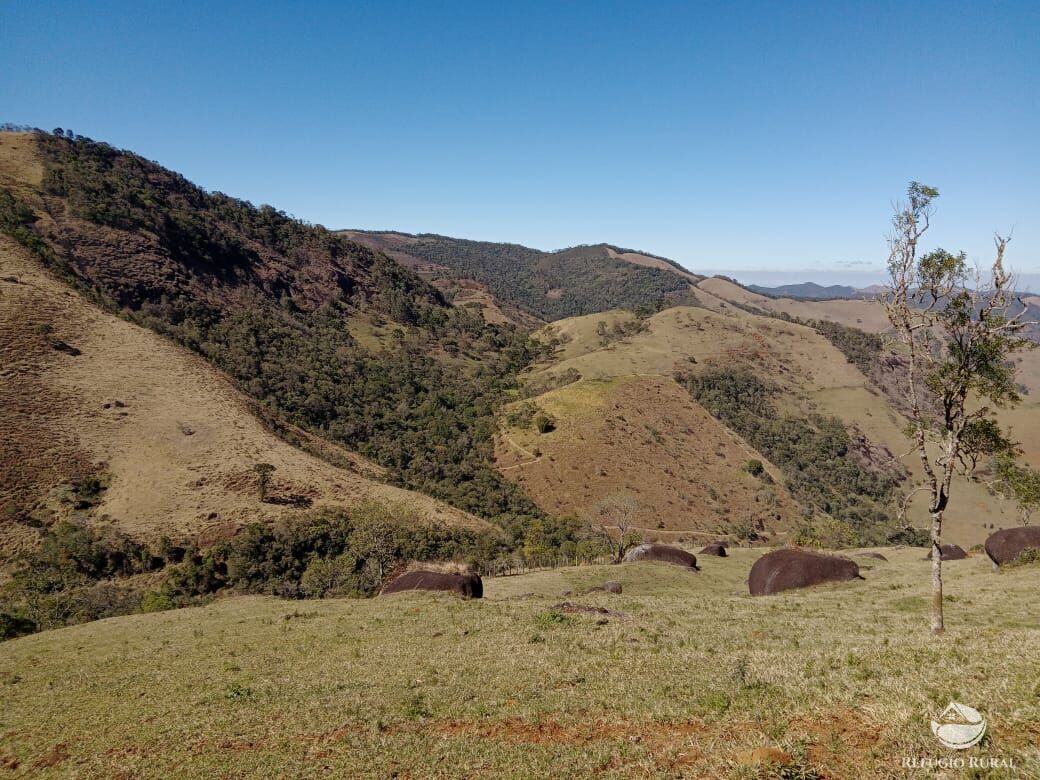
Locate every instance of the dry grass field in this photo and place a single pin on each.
(643, 436)
(687, 676)
(648, 261)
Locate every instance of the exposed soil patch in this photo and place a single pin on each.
(570, 608)
(52, 757)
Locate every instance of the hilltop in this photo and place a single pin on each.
(687, 677)
(546, 285)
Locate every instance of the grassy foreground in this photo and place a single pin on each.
(692, 677)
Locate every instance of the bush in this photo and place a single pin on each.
(544, 423)
(911, 537)
(12, 626)
(79, 573)
(156, 602)
(1025, 558)
(328, 577)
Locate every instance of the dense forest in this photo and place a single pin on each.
(269, 300)
(550, 285)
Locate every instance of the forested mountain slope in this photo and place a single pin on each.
(326, 333)
(549, 285)
(103, 419)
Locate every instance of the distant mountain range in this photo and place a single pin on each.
(816, 291)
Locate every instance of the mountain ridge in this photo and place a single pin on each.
(548, 285)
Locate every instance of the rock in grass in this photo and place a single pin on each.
(949, 552)
(874, 555)
(466, 585)
(661, 552)
(795, 568)
(1006, 545)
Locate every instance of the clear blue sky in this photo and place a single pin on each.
(728, 136)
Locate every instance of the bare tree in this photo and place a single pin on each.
(959, 330)
(619, 511)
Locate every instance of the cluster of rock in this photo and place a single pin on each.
(774, 572)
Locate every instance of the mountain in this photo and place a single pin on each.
(182, 364)
(658, 407)
(326, 335)
(811, 290)
(546, 285)
(106, 419)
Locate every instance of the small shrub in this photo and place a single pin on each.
(12, 626)
(552, 618)
(1025, 558)
(521, 416)
(911, 537)
(156, 602)
(544, 423)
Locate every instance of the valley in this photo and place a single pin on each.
(166, 344)
(548, 390)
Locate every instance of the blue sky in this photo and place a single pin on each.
(742, 137)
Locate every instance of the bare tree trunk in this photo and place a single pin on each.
(937, 586)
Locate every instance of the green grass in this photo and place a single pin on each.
(692, 674)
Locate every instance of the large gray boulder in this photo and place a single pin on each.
(793, 567)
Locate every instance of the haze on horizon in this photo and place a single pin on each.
(763, 142)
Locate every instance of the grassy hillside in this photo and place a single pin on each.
(645, 437)
(975, 511)
(687, 678)
(693, 467)
(865, 315)
(815, 372)
(549, 285)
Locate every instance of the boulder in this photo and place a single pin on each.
(1006, 545)
(715, 548)
(949, 552)
(467, 585)
(793, 567)
(661, 552)
(874, 555)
